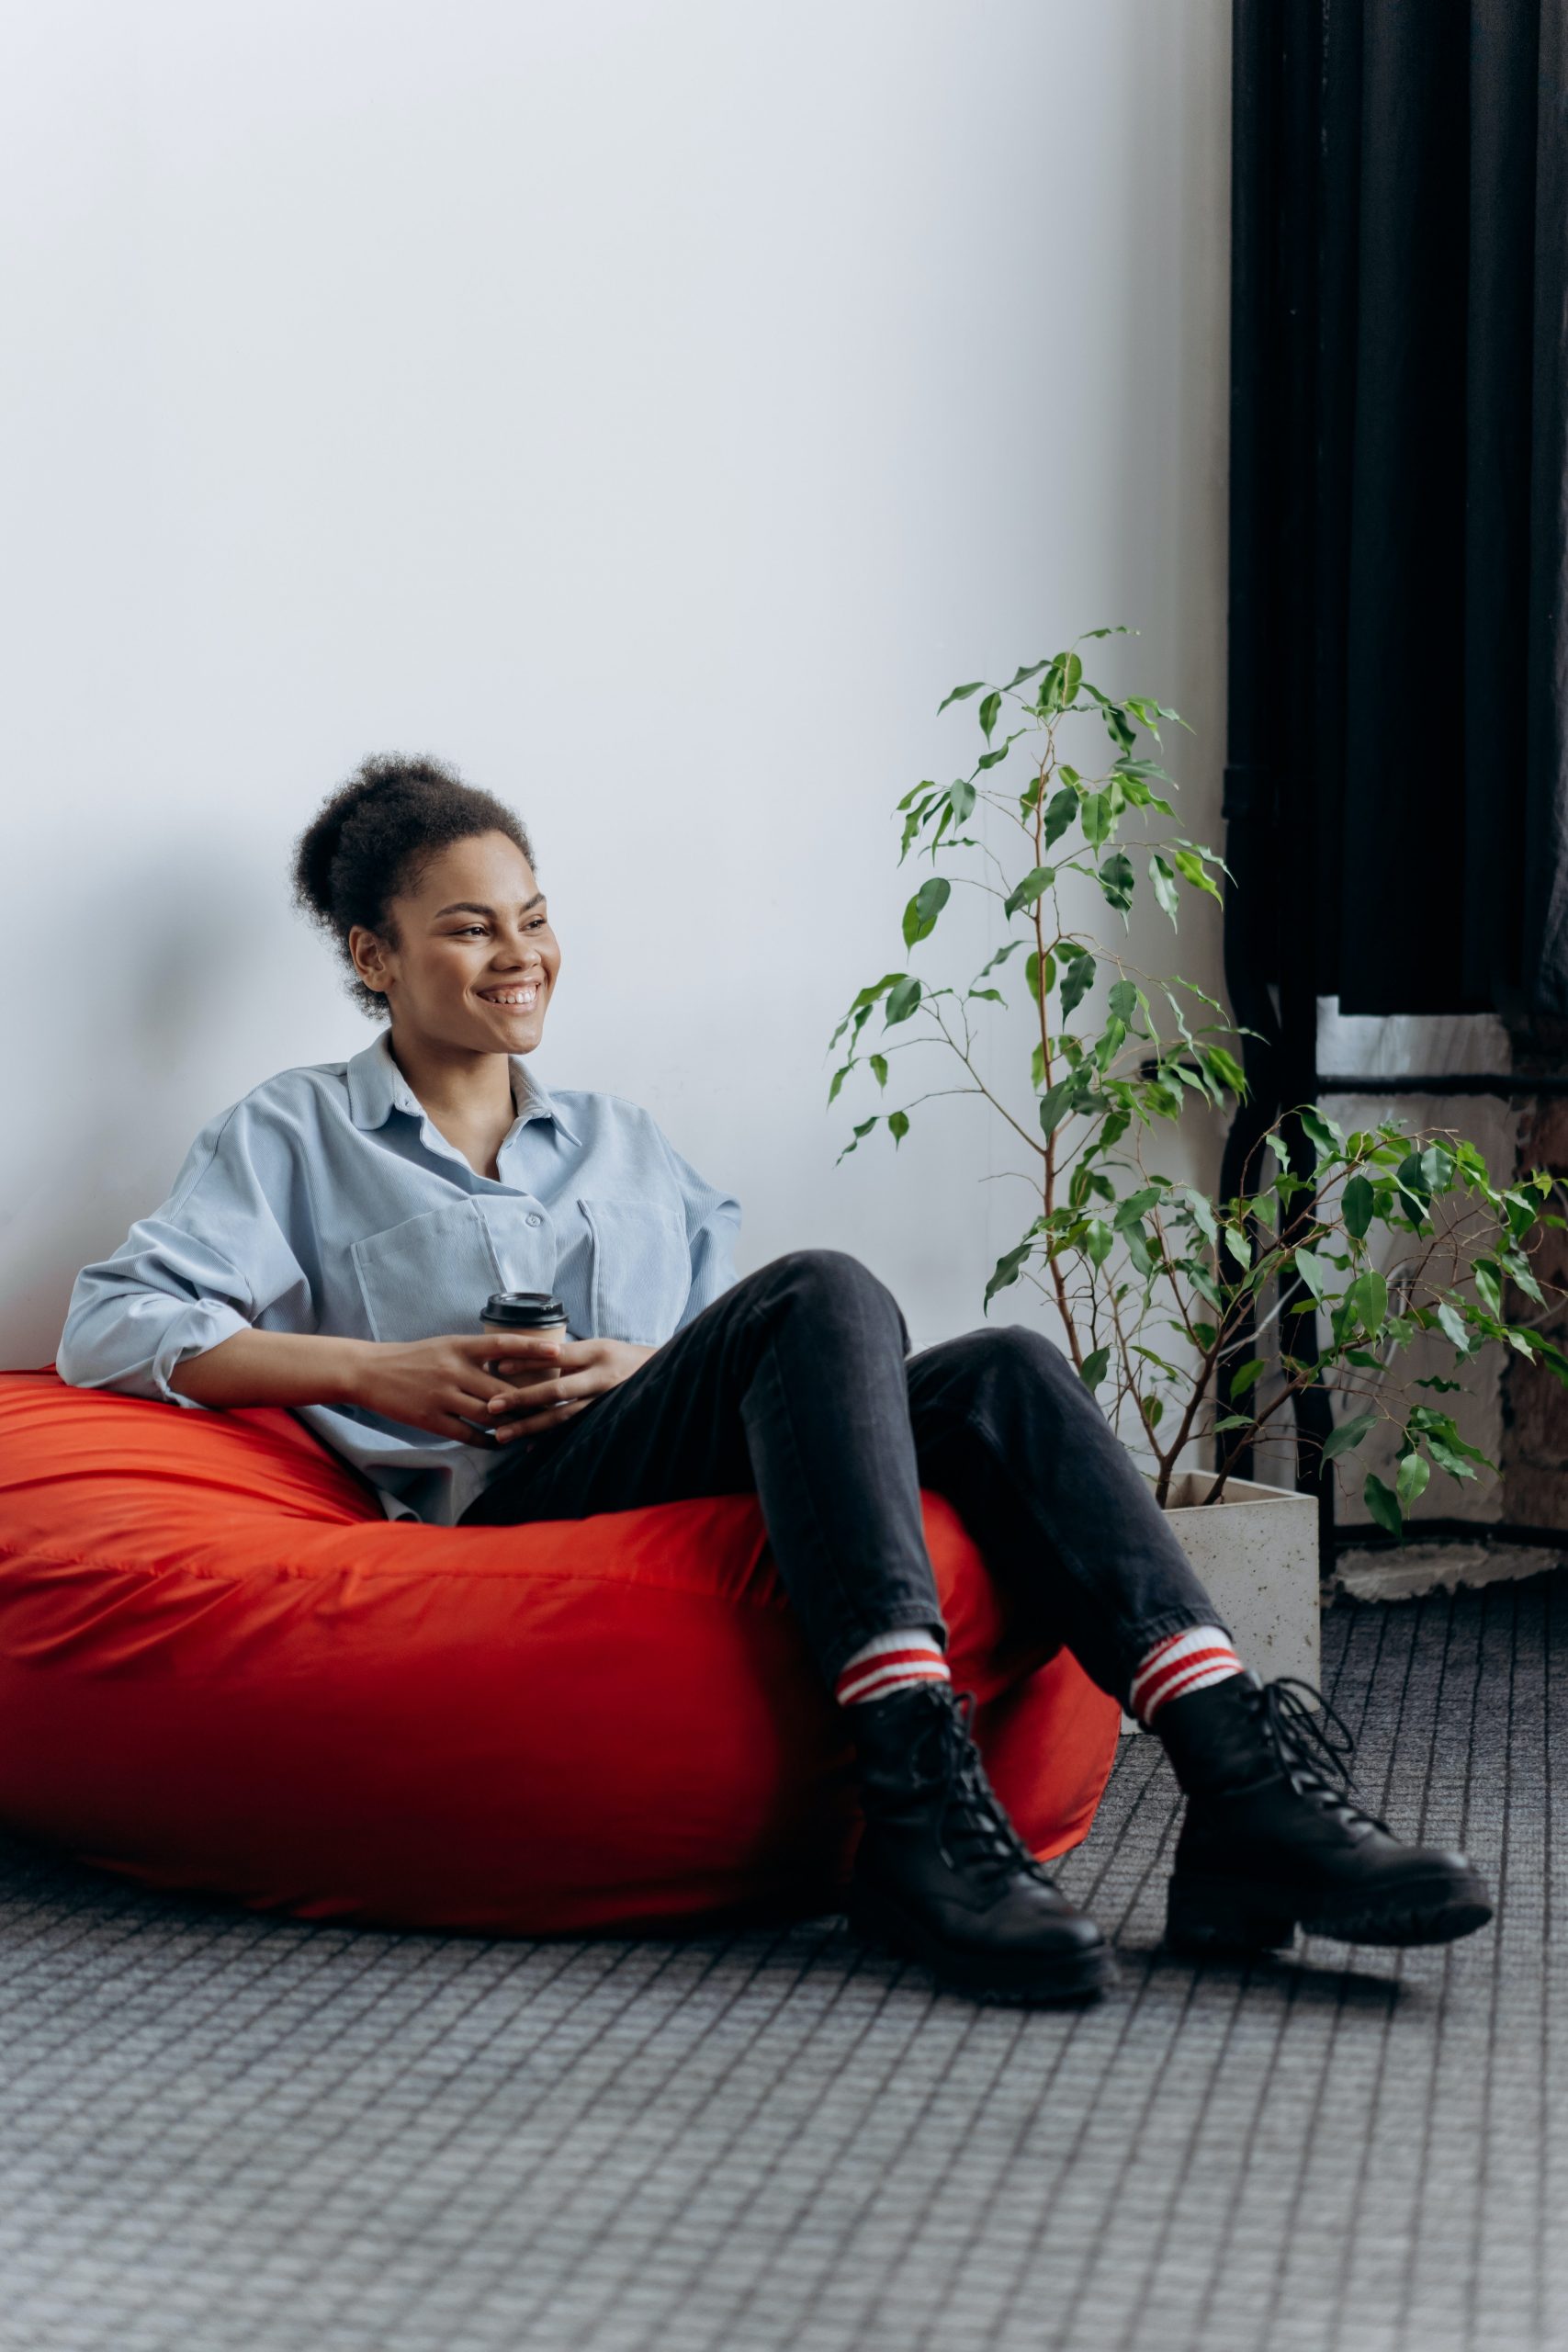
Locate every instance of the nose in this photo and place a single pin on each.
(519, 952)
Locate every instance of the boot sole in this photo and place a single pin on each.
(1207, 1914)
(1029, 1979)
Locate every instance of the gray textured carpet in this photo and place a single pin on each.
(219, 2132)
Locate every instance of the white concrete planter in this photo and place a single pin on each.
(1256, 1553)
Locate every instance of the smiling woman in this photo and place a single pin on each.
(332, 1240)
(332, 1243)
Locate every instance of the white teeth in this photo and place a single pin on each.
(523, 997)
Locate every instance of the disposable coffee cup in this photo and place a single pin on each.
(535, 1311)
(512, 1311)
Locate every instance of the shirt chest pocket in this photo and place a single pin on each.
(640, 1268)
(431, 1275)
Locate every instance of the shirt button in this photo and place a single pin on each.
(534, 1218)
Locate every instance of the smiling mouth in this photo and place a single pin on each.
(514, 1000)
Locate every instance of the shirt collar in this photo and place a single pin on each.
(376, 1087)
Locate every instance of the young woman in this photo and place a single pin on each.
(332, 1240)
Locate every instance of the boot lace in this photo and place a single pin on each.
(975, 1834)
(1312, 1745)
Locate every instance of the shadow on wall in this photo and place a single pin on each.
(138, 1039)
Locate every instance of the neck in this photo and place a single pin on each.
(468, 1087)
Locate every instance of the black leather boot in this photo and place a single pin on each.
(943, 1875)
(1275, 1838)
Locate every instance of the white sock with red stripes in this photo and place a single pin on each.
(1180, 1665)
(891, 1662)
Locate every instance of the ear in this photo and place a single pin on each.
(370, 957)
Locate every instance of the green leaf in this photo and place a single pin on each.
(1019, 676)
(1008, 1269)
(1412, 1178)
(1116, 881)
(1452, 1326)
(1227, 1070)
(1098, 1240)
(1366, 1301)
(1246, 1375)
(1312, 1272)
(1093, 1369)
(865, 1128)
(1347, 1435)
(1077, 982)
(1191, 868)
(898, 1124)
(879, 1068)
(1384, 1506)
(961, 800)
(1124, 1002)
(1163, 881)
(864, 1003)
(1097, 814)
(1072, 677)
(1356, 1206)
(1059, 814)
(999, 958)
(1032, 888)
(989, 709)
(1414, 1471)
(921, 914)
(839, 1078)
(1112, 1039)
(1139, 1250)
(1487, 1287)
(1321, 1134)
(902, 1000)
(960, 693)
(1202, 1210)
(1033, 970)
(1516, 1264)
(1055, 1102)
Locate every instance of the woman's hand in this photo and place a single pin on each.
(539, 1372)
(446, 1384)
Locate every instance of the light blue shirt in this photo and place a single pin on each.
(327, 1201)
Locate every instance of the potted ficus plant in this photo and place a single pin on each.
(1369, 1267)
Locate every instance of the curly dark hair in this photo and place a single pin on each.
(373, 837)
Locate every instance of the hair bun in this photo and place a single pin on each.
(375, 832)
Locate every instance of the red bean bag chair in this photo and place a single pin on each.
(221, 1669)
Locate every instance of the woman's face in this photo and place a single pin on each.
(475, 962)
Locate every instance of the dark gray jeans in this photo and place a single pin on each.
(797, 1386)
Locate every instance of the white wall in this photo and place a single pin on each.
(653, 408)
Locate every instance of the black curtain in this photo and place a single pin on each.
(1397, 787)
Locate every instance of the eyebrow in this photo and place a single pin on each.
(472, 907)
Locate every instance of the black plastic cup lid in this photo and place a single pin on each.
(522, 1310)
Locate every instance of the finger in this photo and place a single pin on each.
(456, 1425)
(536, 1422)
(590, 1383)
(517, 1356)
(491, 1346)
(483, 1402)
(505, 1402)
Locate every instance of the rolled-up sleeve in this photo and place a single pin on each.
(212, 1260)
